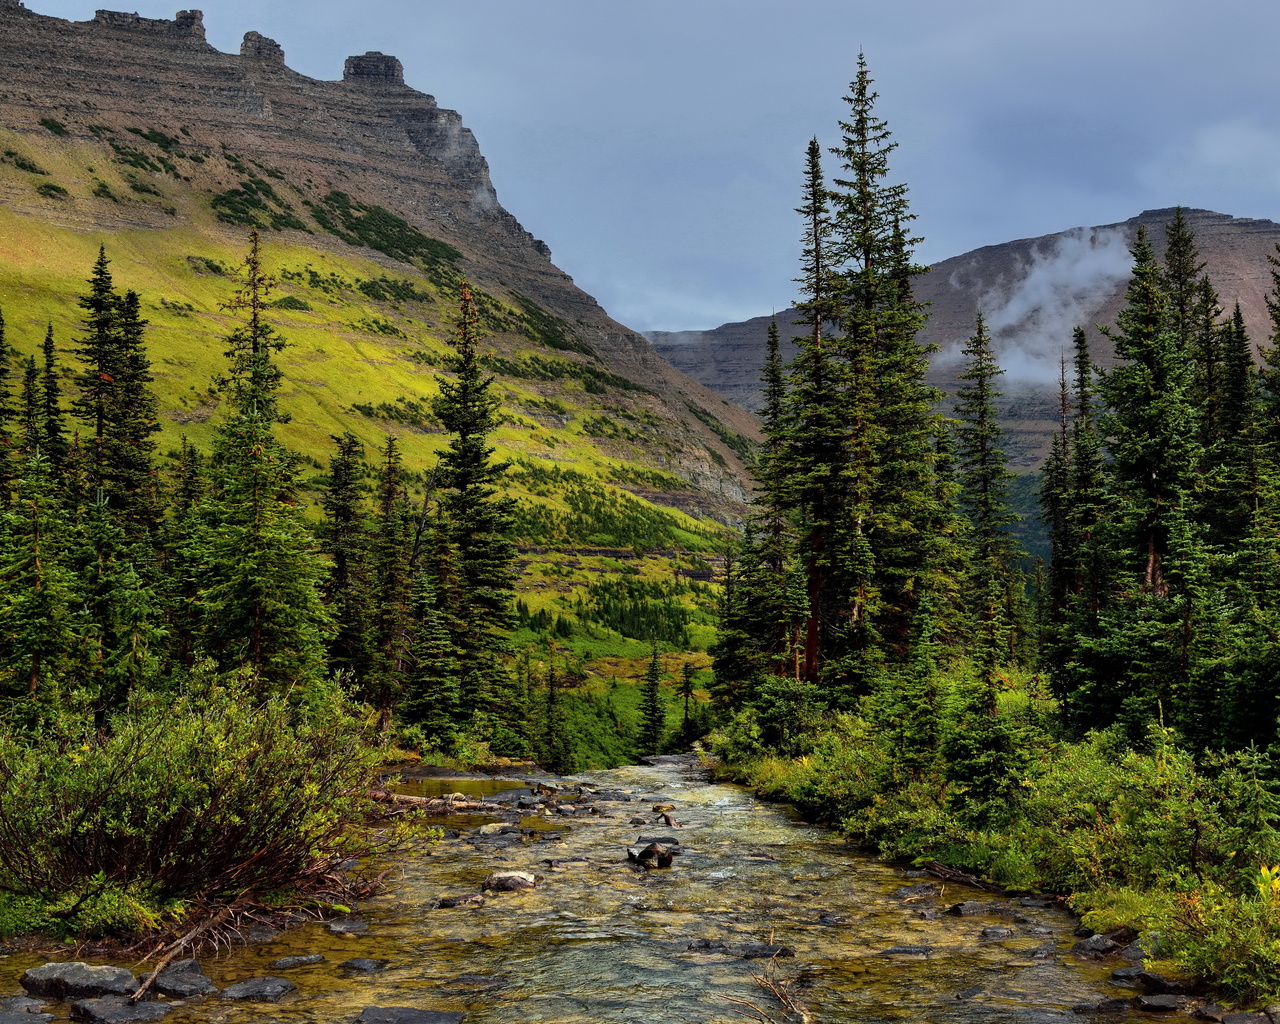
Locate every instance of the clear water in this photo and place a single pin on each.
(600, 942)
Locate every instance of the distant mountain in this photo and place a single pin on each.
(138, 134)
(1033, 291)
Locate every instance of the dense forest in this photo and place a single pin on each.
(1105, 725)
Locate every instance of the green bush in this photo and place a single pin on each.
(209, 797)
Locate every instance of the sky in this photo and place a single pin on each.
(658, 146)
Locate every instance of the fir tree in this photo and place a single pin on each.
(476, 521)
(55, 433)
(31, 406)
(259, 601)
(392, 581)
(346, 538)
(653, 707)
(8, 442)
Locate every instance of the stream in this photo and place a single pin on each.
(599, 940)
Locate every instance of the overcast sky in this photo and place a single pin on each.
(657, 146)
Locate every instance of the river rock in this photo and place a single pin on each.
(1166, 1002)
(1111, 1005)
(509, 881)
(510, 796)
(23, 1017)
(474, 982)
(652, 856)
(663, 808)
(612, 796)
(76, 980)
(1046, 952)
(1243, 1018)
(406, 1015)
(1134, 952)
(25, 1004)
(969, 908)
(1159, 984)
(363, 965)
(183, 979)
(639, 821)
(1210, 1011)
(833, 920)
(924, 890)
(497, 828)
(997, 932)
(259, 990)
(254, 934)
(288, 963)
(707, 946)
(905, 951)
(117, 1010)
(566, 809)
(765, 951)
(471, 899)
(1126, 973)
(348, 927)
(1095, 946)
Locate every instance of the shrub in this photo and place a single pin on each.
(206, 798)
(54, 125)
(51, 191)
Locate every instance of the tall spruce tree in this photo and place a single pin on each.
(476, 523)
(55, 432)
(392, 580)
(346, 538)
(8, 469)
(259, 600)
(653, 707)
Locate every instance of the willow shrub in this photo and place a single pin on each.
(189, 800)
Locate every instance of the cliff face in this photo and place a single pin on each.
(368, 136)
(1033, 291)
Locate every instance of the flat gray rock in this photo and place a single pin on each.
(76, 980)
(288, 963)
(406, 1015)
(259, 990)
(184, 979)
(24, 1017)
(363, 965)
(118, 1010)
(348, 927)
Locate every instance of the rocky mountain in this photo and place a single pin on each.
(1033, 291)
(138, 134)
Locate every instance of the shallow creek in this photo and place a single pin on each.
(598, 941)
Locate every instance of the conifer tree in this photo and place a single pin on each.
(984, 495)
(653, 707)
(259, 601)
(392, 581)
(1055, 502)
(476, 522)
(7, 416)
(433, 698)
(31, 405)
(346, 538)
(55, 433)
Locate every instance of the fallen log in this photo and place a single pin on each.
(952, 875)
(433, 804)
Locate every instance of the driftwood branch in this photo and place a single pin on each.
(952, 875)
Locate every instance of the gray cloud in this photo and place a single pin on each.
(657, 147)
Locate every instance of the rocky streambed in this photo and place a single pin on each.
(556, 906)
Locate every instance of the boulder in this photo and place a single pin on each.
(639, 821)
(117, 1010)
(1244, 1018)
(1159, 984)
(1210, 1011)
(1126, 973)
(259, 990)
(471, 899)
(78, 980)
(1095, 946)
(509, 881)
(288, 963)
(997, 932)
(183, 979)
(406, 1015)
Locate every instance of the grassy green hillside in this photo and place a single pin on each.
(365, 301)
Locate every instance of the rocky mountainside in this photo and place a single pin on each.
(1033, 291)
(138, 134)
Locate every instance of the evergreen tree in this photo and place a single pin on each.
(8, 469)
(984, 495)
(31, 406)
(1055, 503)
(346, 538)
(55, 433)
(433, 698)
(259, 601)
(476, 522)
(392, 580)
(653, 707)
